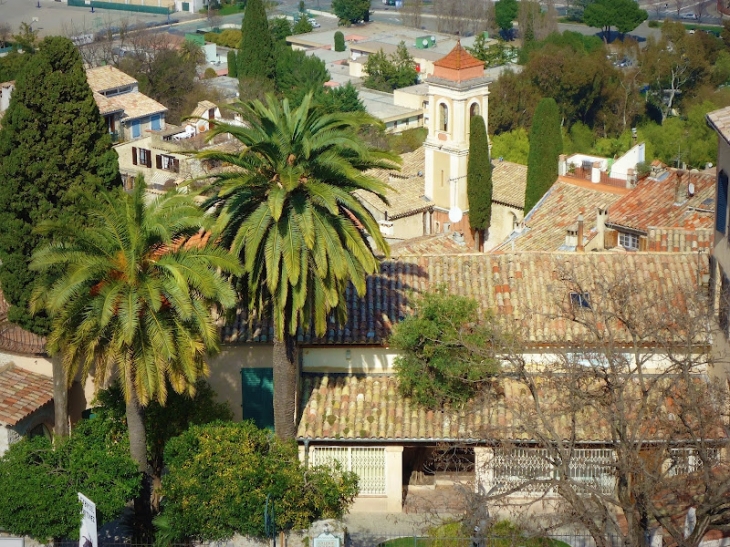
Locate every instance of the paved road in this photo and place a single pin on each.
(53, 18)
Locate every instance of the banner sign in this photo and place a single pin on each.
(87, 535)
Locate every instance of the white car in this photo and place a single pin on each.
(691, 16)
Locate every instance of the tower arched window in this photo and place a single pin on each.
(443, 117)
(474, 110)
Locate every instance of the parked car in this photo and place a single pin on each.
(691, 16)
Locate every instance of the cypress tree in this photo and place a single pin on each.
(339, 41)
(479, 179)
(546, 144)
(55, 156)
(232, 64)
(256, 54)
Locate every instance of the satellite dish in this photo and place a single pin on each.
(455, 214)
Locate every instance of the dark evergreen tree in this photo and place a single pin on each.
(344, 98)
(55, 156)
(546, 144)
(339, 41)
(232, 64)
(479, 180)
(279, 28)
(351, 11)
(256, 54)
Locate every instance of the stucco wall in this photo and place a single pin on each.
(225, 371)
(408, 227)
(502, 223)
(721, 250)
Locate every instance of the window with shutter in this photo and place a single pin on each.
(158, 161)
(258, 396)
(721, 209)
(134, 155)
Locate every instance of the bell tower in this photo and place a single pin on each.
(457, 90)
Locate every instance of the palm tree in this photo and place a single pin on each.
(287, 209)
(134, 300)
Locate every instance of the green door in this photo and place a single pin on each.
(186, 6)
(258, 396)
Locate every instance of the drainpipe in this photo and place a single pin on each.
(306, 453)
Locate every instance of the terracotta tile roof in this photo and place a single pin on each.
(547, 223)
(202, 108)
(458, 59)
(436, 244)
(720, 121)
(508, 183)
(652, 203)
(106, 105)
(138, 105)
(106, 78)
(527, 291)
(15, 339)
(406, 194)
(679, 240)
(342, 407)
(21, 393)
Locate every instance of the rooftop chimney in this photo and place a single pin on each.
(596, 172)
(579, 245)
(562, 165)
(680, 188)
(601, 220)
(630, 178)
(571, 237)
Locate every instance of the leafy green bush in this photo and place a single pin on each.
(407, 141)
(209, 73)
(219, 476)
(39, 481)
(228, 38)
(163, 422)
(653, 24)
(445, 358)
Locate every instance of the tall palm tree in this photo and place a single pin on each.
(287, 209)
(134, 300)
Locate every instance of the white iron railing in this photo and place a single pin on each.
(367, 463)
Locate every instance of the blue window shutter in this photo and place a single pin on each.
(156, 126)
(135, 129)
(721, 206)
(258, 396)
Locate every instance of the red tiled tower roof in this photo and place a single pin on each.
(458, 65)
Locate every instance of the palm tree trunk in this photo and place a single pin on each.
(286, 383)
(138, 449)
(60, 397)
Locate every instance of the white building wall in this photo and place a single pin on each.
(619, 169)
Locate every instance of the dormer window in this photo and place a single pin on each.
(443, 117)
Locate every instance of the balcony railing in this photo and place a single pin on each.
(115, 137)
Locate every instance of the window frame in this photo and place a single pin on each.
(443, 117)
(721, 210)
(623, 236)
